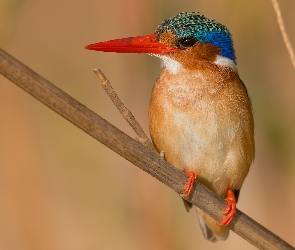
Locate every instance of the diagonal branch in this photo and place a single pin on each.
(123, 110)
(133, 150)
(283, 31)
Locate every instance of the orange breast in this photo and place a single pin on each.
(202, 120)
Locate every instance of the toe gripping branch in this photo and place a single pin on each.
(192, 176)
(230, 210)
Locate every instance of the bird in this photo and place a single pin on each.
(200, 113)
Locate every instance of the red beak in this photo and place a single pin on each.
(139, 44)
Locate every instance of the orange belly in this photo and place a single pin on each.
(203, 126)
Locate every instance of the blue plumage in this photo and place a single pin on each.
(204, 30)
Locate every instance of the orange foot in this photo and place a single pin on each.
(230, 210)
(190, 183)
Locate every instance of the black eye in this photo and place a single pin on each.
(185, 42)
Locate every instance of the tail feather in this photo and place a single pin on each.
(210, 229)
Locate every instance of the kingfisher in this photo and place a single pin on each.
(200, 113)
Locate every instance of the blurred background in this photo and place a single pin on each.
(61, 189)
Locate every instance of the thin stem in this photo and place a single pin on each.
(126, 113)
(283, 31)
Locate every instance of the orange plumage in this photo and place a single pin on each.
(200, 114)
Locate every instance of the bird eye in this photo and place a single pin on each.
(185, 42)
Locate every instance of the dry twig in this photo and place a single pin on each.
(283, 31)
(142, 137)
(133, 151)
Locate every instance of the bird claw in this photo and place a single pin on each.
(230, 210)
(190, 184)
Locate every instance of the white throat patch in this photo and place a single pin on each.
(170, 64)
(226, 62)
(173, 66)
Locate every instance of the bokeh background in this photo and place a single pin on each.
(61, 189)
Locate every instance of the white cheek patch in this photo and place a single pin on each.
(170, 64)
(226, 62)
(173, 66)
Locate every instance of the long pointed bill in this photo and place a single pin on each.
(139, 44)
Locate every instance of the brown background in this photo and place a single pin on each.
(61, 189)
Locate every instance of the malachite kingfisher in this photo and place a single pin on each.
(200, 114)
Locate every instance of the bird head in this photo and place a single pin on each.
(185, 38)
